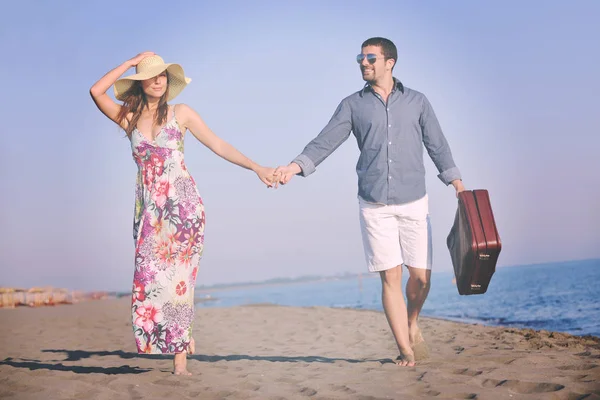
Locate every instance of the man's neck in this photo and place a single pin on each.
(384, 87)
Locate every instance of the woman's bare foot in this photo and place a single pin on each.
(405, 359)
(180, 364)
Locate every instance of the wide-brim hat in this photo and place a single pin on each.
(150, 67)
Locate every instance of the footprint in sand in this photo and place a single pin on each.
(458, 349)
(342, 388)
(588, 354)
(248, 386)
(287, 380)
(577, 367)
(223, 394)
(533, 387)
(523, 387)
(466, 371)
(584, 378)
(490, 383)
(306, 391)
(466, 396)
(579, 396)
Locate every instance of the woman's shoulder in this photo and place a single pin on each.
(182, 110)
(181, 107)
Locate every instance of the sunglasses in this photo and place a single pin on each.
(371, 58)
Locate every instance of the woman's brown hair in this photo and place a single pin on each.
(134, 101)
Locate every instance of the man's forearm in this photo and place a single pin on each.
(331, 137)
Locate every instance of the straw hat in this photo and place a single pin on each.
(148, 68)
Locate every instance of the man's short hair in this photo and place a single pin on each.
(388, 48)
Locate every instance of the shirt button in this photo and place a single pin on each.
(389, 142)
(389, 126)
(389, 177)
(388, 109)
(389, 161)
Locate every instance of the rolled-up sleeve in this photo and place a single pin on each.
(331, 137)
(437, 145)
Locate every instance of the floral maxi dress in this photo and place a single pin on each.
(168, 231)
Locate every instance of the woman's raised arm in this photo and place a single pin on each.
(99, 89)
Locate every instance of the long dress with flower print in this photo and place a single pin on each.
(168, 231)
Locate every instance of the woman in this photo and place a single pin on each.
(168, 224)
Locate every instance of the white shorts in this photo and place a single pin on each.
(396, 234)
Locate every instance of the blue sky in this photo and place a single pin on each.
(514, 85)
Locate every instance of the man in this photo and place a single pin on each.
(391, 123)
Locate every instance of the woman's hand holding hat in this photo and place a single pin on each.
(148, 65)
(136, 60)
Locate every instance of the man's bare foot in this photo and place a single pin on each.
(405, 359)
(180, 364)
(417, 342)
(414, 333)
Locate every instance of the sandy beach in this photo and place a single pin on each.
(86, 351)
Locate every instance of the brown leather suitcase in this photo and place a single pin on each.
(473, 242)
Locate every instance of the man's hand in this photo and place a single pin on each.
(286, 173)
(458, 186)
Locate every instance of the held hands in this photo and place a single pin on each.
(267, 176)
(272, 177)
(285, 174)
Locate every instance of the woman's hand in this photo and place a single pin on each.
(267, 176)
(136, 60)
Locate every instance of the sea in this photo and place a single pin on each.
(561, 296)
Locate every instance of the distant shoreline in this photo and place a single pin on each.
(366, 275)
(302, 279)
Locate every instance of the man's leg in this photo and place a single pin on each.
(396, 312)
(415, 240)
(417, 289)
(379, 229)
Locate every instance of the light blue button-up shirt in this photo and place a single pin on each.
(390, 137)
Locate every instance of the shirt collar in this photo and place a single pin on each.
(397, 85)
